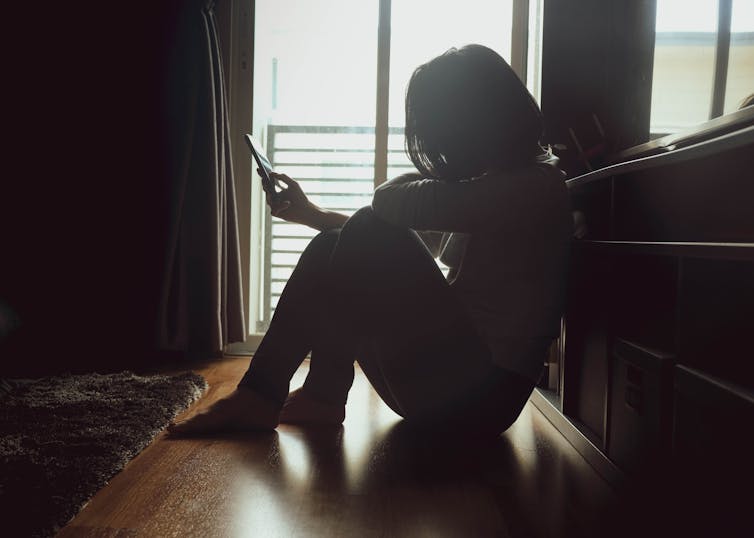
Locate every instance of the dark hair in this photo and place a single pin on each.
(467, 112)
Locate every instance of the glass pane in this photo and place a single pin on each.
(534, 49)
(683, 76)
(423, 29)
(740, 82)
(303, 72)
(315, 80)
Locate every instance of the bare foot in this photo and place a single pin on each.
(243, 410)
(300, 408)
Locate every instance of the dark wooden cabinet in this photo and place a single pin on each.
(661, 303)
(639, 423)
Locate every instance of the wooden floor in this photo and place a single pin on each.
(372, 477)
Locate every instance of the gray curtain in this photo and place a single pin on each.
(202, 305)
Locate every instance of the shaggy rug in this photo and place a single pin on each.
(63, 438)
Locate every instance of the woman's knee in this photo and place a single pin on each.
(322, 245)
(325, 239)
(364, 219)
(366, 228)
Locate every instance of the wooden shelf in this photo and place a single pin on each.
(568, 426)
(729, 141)
(720, 251)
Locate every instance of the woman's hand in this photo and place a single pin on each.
(291, 204)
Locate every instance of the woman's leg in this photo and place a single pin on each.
(301, 325)
(298, 326)
(374, 288)
(419, 348)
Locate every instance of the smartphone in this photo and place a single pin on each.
(264, 165)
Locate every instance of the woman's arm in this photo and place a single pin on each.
(292, 205)
(495, 198)
(323, 220)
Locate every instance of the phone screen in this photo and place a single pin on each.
(263, 163)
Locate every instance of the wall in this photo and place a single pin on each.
(83, 194)
(597, 58)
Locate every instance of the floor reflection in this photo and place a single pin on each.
(381, 477)
(374, 476)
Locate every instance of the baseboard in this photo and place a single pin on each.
(244, 348)
(588, 450)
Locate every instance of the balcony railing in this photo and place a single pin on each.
(335, 168)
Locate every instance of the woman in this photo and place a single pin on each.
(463, 352)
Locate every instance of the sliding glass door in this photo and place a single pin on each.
(329, 86)
(315, 72)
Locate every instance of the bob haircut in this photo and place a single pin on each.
(467, 112)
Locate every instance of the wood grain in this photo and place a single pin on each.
(371, 477)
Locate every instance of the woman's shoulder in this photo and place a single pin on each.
(537, 188)
(541, 173)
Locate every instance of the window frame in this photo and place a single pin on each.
(720, 67)
(254, 226)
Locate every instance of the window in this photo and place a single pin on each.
(703, 63)
(740, 83)
(487, 22)
(315, 83)
(329, 84)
